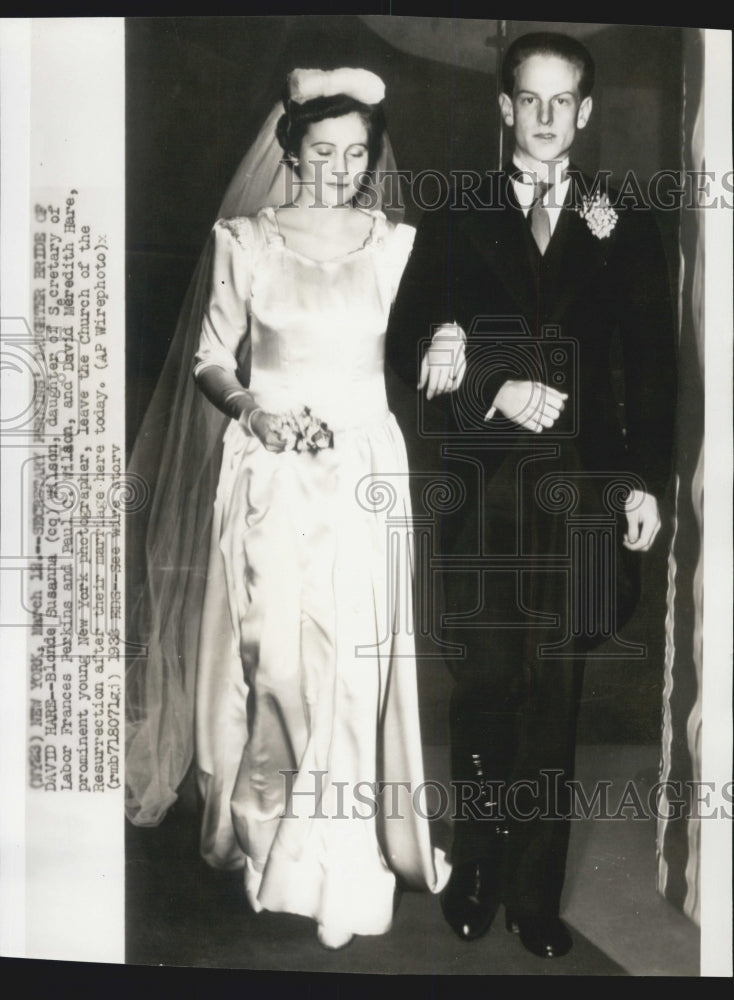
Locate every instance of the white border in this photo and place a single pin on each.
(63, 127)
(716, 870)
(15, 96)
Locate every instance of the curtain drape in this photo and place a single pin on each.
(678, 831)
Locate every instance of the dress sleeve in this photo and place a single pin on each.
(399, 246)
(225, 320)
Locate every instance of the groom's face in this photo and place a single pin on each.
(545, 108)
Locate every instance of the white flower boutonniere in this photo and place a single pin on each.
(598, 214)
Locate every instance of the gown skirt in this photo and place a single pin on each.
(308, 745)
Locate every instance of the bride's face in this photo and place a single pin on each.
(333, 154)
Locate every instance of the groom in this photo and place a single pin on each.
(511, 308)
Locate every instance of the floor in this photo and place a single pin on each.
(181, 913)
(610, 886)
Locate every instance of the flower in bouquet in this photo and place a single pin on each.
(303, 431)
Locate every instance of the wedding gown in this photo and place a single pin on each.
(306, 690)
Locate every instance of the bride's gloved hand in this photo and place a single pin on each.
(444, 363)
(266, 427)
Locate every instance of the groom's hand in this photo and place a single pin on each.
(643, 521)
(444, 363)
(532, 405)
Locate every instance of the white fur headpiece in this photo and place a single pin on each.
(361, 84)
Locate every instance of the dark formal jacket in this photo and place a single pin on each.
(592, 317)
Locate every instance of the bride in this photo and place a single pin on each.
(302, 695)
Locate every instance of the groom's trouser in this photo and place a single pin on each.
(514, 707)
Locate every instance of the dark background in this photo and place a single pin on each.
(198, 90)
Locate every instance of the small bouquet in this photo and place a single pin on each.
(304, 432)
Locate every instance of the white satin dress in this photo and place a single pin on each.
(306, 687)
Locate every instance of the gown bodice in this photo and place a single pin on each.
(316, 329)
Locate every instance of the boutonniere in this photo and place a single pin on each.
(598, 215)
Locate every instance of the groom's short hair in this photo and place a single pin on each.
(548, 43)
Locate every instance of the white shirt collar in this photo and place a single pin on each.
(530, 174)
(525, 191)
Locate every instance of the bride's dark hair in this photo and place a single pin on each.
(294, 123)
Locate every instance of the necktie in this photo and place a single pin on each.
(539, 218)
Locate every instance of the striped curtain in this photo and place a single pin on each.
(678, 837)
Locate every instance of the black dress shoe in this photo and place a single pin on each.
(547, 937)
(471, 899)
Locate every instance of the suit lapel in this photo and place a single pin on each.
(573, 256)
(502, 236)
